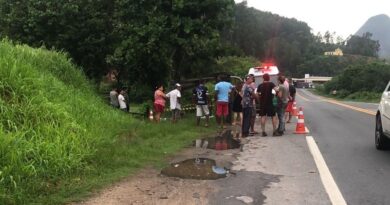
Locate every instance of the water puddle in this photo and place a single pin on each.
(221, 142)
(197, 168)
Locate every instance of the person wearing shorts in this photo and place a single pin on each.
(200, 97)
(159, 103)
(267, 109)
(222, 90)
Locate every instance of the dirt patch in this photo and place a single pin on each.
(149, 187)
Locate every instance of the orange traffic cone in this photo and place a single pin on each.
(295, 110)
(301, 128)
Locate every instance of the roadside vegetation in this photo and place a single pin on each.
(364, 82)
(59, 140)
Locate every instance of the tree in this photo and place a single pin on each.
(364, 46)
(270, 37)
(167, 39)
(80, 28)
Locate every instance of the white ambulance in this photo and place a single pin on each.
(269, 68)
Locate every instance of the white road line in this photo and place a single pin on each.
(326, 177)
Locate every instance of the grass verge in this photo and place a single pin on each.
(146, 144)
(59, 140)
(367, 97)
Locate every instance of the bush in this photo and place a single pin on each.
(365, 96)
(367, 77)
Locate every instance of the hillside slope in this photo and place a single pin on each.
(51, 122)
(379, 26)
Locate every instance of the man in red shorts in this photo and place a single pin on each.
(222, 90)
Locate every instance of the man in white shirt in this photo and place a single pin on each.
(122, 101)
(174, 100)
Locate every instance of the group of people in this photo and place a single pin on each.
(200, 98)
(120, 99)
(174, 97)
(273, 100)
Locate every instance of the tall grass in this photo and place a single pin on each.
(51, 121)
(59, 141)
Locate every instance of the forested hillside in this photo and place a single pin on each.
(379, 27)
(270, 37)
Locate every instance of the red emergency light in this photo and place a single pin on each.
(265, 67)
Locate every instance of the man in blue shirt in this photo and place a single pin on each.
(222, 90)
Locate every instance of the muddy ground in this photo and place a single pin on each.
(150, 187)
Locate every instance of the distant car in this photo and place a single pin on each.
(382, 125)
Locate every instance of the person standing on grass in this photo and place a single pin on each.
(248, 94)
(159, 103)
(222, 90)
(174, 100)
(122, 101)
(127, 99)
(114, 98)
(201, 99)
(267, 108)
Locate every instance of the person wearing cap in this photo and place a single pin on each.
(174, 100)
(222, 90)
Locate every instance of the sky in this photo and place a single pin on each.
(344, 17)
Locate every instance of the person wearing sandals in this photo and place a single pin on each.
(159, 103)
(248, 94)
(201, 99)
(267, 108)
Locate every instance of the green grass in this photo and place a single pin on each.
(59, 140)
(363, 96)
(146, 144)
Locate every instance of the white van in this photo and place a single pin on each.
(269, 68)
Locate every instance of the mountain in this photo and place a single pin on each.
(379, 26)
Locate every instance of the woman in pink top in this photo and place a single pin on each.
(159, 103)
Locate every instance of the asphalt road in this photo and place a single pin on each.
(345, 137)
